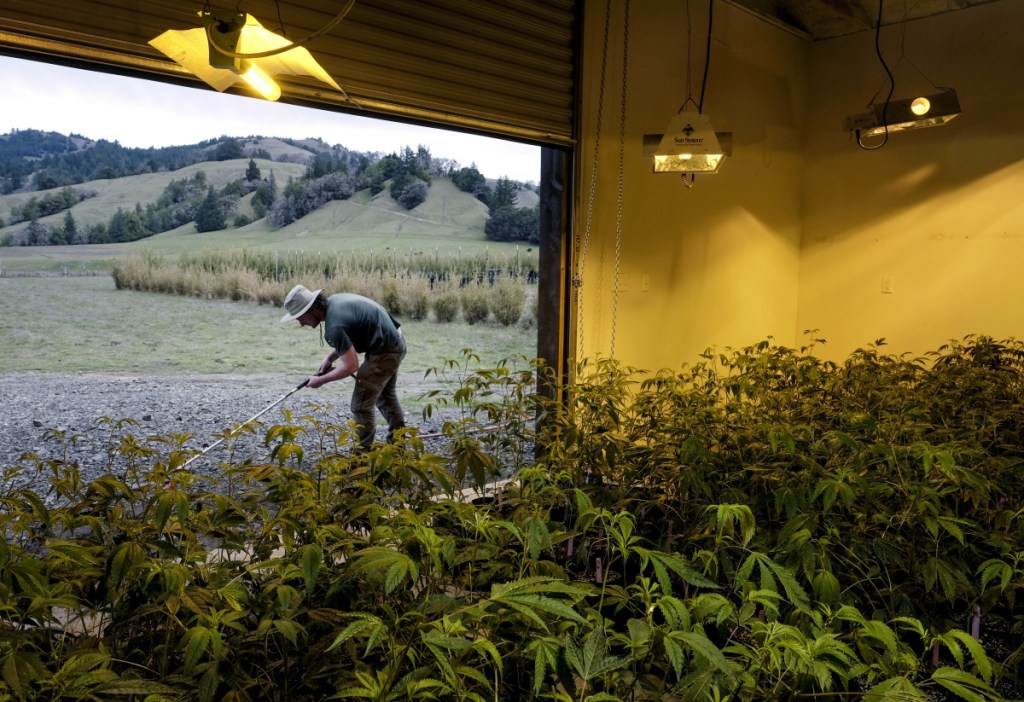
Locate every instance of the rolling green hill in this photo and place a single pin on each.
(448, 220)
(141, 189)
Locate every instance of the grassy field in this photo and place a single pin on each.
(84, 324)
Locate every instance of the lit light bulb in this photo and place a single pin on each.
(686, 157)
(920, 106)
(259, 81)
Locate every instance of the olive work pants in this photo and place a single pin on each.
(375, 388)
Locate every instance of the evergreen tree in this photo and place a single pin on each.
(36, 234)
(423, 158)
(252, 173)
(227, 150)
(514, 224)
(70, 229)
(45, 180)
(57, 237)
(98, 234)
(264, 197)
(504, 195)
(127, 226)
(210, 216)
(324, 163)
(235, 188)
(391, 166)
(468, 179)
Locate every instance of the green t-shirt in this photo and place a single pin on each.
(357, 321)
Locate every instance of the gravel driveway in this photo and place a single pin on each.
(204, 406)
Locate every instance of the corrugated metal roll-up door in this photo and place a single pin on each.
(501, 67)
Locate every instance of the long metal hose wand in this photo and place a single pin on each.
(256, 416)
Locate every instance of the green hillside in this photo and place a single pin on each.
(140, 189)
(448, 221)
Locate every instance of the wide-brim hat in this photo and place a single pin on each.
(298, 301)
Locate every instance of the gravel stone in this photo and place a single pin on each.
(203, 405)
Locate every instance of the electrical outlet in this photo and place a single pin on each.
(623, 282)
(645, 283)
(888, 284)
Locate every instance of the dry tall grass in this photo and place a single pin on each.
(410, 293)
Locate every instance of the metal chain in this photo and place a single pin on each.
(622, 167)
(580, 253)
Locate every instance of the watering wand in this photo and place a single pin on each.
(256, 416)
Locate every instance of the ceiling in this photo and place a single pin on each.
(826, 19)
(500, 67)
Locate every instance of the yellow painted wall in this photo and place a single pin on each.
(721, 260)
(938, 211)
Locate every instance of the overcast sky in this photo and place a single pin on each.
(144, 113)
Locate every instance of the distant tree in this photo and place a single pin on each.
(60, 200)
(423, 159)
(252, 173)
(443, 166)
(36, 234)
(184, 190)
(398, 184)
(227, 150)
(264, 197)
(375, 183)
(28, 211)
(106, 173)
(127, 226)
(236, 188)
(413, 194)
(44, 180)
(48, 204)
(514, 224)
(178, 203)
(483, 193)
(390, 166)
(12, 180)
(210, 216)
(333, 186)
(282, 212)
(326, 162)
(302, 197)
(57, 237)
(504, 195)
(468, 179)
(70, 229)
(98, 234)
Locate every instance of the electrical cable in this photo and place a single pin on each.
(707, 57)
(280, 20)
(892, 87)
(704, 81)
(281, 49)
